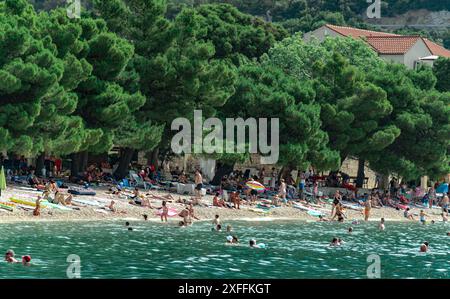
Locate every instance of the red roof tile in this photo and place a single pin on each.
(355, 32)
(392, 44)
(437, 50)
(389, 43)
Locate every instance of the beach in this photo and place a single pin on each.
(204, 213)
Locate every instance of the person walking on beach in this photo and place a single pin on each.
(273, 179)
(367, 208)
(431, 196)
(191, 212)
(37, 209)
(282, 190)
(336, 200)
(236, 199)
(198, 184)
(445, 204)
(165, 211)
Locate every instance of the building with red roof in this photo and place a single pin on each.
(408, 50)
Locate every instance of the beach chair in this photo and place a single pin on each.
(139, 182)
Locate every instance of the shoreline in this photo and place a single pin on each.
(128, 212)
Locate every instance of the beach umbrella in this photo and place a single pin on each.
(443, 188)
(2, 180)
(255, 185)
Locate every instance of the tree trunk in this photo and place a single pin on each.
(40, 164)
(75, 165)
(285, 172)
(222, 169)
(361, 174)
(384, 182)
(83, 160)
(153, 158)
(126, 155)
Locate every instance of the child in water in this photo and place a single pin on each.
(381, 226)
(253, 244)
(422, 216)
(408, 215)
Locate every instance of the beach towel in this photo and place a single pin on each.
(81, 191)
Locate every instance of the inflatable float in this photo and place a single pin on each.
(27, 202)
(310, 211)
(7, 206)
(171, 213)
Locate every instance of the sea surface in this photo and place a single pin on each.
(293, 250)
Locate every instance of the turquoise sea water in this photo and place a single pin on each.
(294, 250)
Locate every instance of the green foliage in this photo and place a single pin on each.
(441, 69)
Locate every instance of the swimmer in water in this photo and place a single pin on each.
(335, 242)
(26, 259)
(448, 234)
(9, 256)
(381, 226)
(216, 220)
(232, 240)
(145, 217)
(350, 230)
(229, 228)
(217, 228)
(424, 247)
(253, 244)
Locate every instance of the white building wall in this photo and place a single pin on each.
(320, 33)
(416, 52)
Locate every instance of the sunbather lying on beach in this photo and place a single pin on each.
(168, 197)
(139, 199)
